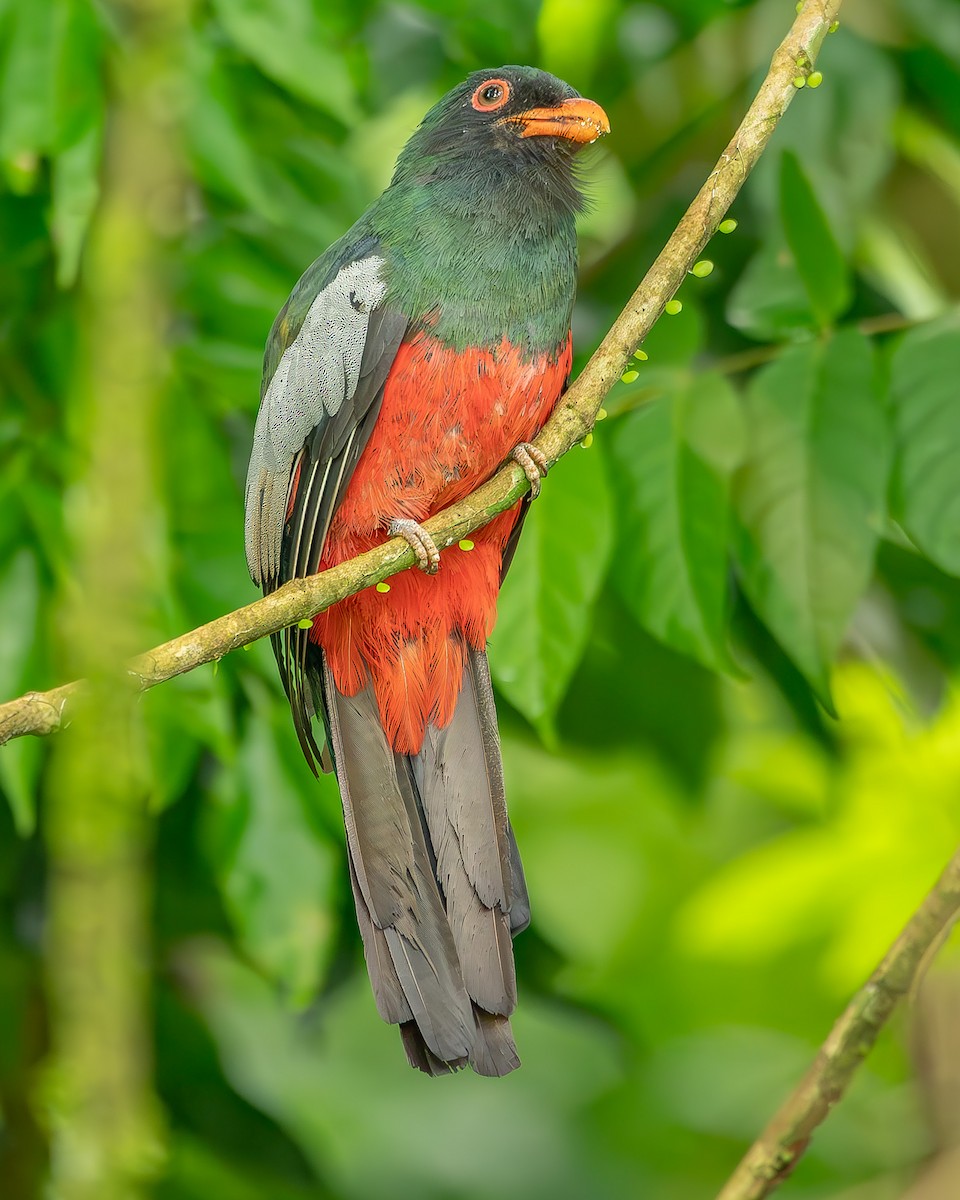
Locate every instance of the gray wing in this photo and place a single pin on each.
(316, 414)
(314, 389)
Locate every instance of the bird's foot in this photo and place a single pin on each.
(419, 541)
(534, 463)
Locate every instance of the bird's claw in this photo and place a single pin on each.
(534, 464)
(419, 541)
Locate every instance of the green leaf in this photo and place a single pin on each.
(581, 806)
(20, 759)
(50, 103)
(844, 128)
(925, 498)
(20, 763)
(75, 190)
(810, 496)
(546, 604)
(329, 1082)
(675, 457)
(275, 868)
(27, 72)
(202, 501)
(889, 260)
(609, 218)
(224, 158)
(288, 43)
(769, 301)
(79, 101)
(677, 341)
(896, 799)
(19, 597)
(939, 22)
(195, 1169)
(572, 35)
(79, 87)
(191, 715)
(816, 253)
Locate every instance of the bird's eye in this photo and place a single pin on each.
(491, 95)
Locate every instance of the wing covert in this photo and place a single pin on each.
(314, 389)
(316, 414)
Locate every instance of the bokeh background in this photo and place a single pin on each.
(765, 528)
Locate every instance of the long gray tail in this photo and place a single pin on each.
(436, 875)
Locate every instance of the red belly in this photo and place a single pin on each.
(447, 423)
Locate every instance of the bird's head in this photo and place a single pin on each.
(506, 115)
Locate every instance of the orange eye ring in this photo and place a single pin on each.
(491, 95)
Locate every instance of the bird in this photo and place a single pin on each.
(419, 353)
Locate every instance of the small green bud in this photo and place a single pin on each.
(587, 441)
(641, 355)
(629, 376)
(383, 587)
(465, 544)
(602, 414)
(672, 307)
(729, 225)
(799, 81)
(834, 27)
(702, 269)
(815, 79)
(306, 623)
(799, 6)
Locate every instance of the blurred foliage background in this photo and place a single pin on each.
(727, 650)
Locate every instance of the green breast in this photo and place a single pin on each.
(476, 271)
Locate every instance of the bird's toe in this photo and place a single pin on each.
(419, 541)
(534, 464)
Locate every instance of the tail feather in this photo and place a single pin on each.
(421, 979)
(520, 908)
(494, 1052)
(460, 766)
(391, 1002)
(421, 1057)
(395, 880)
(436, 875)
(461, 790)
(486, 707)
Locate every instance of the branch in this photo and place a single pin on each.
(776, 1152)
(43, 712)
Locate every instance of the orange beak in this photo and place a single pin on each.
(577, 119)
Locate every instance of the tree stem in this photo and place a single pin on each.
(102, 1115)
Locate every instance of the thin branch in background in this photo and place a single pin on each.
(44, 712)
(935, 1045)
(758, 356)
(777, 1150)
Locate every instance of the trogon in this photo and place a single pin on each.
(413, 358)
